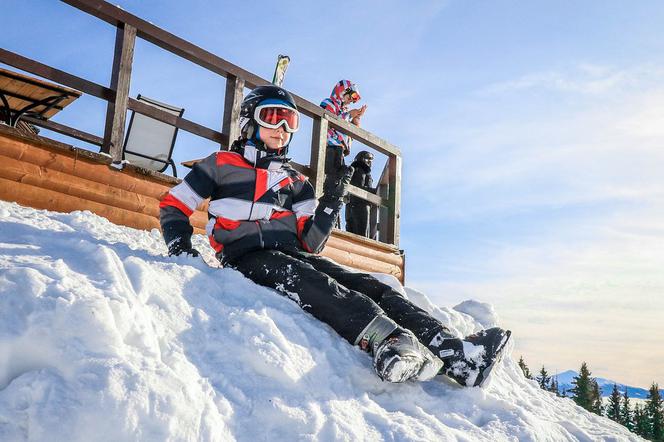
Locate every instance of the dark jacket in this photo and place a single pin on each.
(257, 201)
(361, 178)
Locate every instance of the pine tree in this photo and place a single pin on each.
(641, 426)
(613, 408)
(524, 368)
(626, 413)
(655, 414)
(582, 390)
(543, 379)
(553, 386)
(596, 399)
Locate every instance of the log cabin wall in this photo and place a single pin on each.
(46, 174)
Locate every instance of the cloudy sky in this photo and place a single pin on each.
(532, 135)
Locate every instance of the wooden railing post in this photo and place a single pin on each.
(394, 198)
(318, 146)
(232, 102)
(116, 111)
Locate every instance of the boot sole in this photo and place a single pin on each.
(486, 373)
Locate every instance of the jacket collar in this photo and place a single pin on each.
(262, 159)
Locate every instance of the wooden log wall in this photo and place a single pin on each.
(46, 174)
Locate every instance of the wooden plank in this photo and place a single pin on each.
(394, 197)
(165, 40)
(340, 243)
(23, 92)
(116, 111)
(368, 196)
(65, 130)
(56, 75)
(232, 103)
(174, 120)
(73, 164)
(103, 193)
(39, 85)
(361, 262)
(317, 163)
(42, 198)
(362, 135)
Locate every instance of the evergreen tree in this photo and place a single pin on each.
(524, 368)
(553, 386)
(613, 408)
(626, 413)
(582, 390)
(641, 426)
(543, 379)
(596, 398)
(655, 414)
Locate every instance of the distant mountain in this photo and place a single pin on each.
(605, 385)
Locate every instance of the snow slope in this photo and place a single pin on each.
(105, 338)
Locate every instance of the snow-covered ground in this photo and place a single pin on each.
(103, 337)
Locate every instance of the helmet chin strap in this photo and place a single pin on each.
(252, 135)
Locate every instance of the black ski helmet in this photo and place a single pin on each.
(248, 125)
(364, 157)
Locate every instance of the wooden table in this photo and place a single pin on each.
(21, 95)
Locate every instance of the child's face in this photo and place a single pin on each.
(274, 139)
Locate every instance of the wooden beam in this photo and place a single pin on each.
(56, 75)
(364, 136)
(368, 196)
(165, 40)
(393, 208)
(65, 130)
(317, 162)
(174, 120)
(116, 111)
(232, 102)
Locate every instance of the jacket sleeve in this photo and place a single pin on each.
(315, 219)
(183, 199)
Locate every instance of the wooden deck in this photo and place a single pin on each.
(46, 174)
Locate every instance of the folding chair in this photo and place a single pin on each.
(149, 142)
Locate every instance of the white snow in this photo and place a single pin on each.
(103, 337)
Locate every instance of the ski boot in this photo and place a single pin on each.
(469, 361)
(397, 354)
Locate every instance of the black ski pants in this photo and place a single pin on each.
(345, 300)
(357, 218)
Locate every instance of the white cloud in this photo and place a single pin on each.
(600, 149)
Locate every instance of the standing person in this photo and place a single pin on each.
(343, 94)
(266, 223)
(358, 211)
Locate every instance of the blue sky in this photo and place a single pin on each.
(532, 135)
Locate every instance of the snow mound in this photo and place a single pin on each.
(105, 338)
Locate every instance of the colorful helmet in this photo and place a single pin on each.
(344, 87)
(261, 95)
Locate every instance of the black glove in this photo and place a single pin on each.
(336, 186)
(180, 245)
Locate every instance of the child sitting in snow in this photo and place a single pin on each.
(266, 223)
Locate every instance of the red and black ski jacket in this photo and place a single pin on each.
(257, 201)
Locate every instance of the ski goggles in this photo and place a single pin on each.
(274, 115)
(353, 94)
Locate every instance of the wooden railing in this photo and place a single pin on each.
(129, 27)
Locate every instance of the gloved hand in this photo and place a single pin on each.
(336, 187)
(180, 245)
